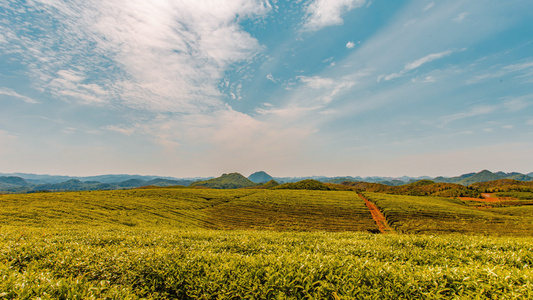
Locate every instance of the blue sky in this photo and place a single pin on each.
(294, 88)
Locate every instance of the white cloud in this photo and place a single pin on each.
(271, 78)
(415, 64)
(229, 140)
(350, 45)
(323, 13)
(507, 126)
(12, 93)
(429, 79)
(518, 103)
(288, 112)
(317, 82)
(150, 55)
(428, 58)
(68, 130)
(328, 86)
(530, 122)
(460, 17)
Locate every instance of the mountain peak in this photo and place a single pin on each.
(226, 181)
(260, 177)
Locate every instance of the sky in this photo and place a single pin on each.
(190, 88)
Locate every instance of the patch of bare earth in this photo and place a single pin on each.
(378, 217)
(487, 198)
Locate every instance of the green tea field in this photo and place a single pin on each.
(412, 214)
(178, 243)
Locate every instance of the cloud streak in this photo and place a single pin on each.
(11, 93)
(415, 64)
(472, 112)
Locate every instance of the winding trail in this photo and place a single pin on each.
(380, 219)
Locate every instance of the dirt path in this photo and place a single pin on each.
(486, 198)
(380, 219)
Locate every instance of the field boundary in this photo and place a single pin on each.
(378, 217)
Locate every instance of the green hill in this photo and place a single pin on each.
(503, 185)
(308, 184)
(270, 184)
(226, 181)
(482, 176)
(419, 188)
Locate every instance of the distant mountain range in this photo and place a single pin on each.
(21, 182)
(35, 183)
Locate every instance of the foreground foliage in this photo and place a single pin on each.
(122, 263)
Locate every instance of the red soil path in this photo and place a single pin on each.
(486, 198)
(378, 217)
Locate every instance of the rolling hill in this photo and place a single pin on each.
(418, 188)
(226, 181)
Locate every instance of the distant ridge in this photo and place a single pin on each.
(13, 180)
(482, 176)
(260, 177)
(24, 183)
(16, 184)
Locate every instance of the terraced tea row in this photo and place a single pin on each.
(176, 208)
(192, 208)
(413, 214)
(294, 210)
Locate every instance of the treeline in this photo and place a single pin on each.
(419, 188)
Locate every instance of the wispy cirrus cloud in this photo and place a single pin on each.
(520, 70)
(159, 56)
(330, 87)
(12, 93)
(323, 13)
(472, 112)
(415, 64)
